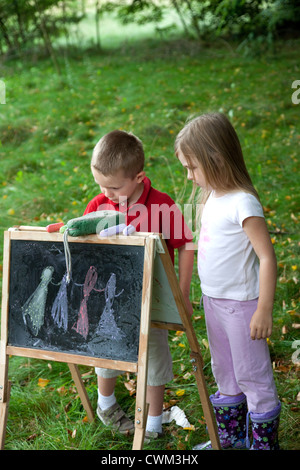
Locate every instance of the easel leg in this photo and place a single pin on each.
(3, 416)
(82, 391)
(141, 409)
(205, 402)
(140, 427)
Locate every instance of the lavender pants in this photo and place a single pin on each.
(239, 364)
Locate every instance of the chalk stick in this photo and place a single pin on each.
(112, 230)
(54, 227)
(128, 230)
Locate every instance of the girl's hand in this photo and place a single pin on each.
(261, 325)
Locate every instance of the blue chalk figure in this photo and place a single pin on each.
(107, 326)
(34, 307)
(59, 309)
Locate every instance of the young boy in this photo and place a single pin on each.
(118, 168)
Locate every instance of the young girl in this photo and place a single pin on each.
(237, 270)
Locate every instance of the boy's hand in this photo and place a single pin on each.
(261, 325)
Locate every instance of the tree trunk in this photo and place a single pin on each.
(47, 40)
(5, 34)
(176, 6)
(97, 16)
(194, 19)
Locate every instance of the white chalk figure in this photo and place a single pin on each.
(34, 307)
(107, 326)
(59, 311)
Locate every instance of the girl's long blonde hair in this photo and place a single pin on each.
(213, 142)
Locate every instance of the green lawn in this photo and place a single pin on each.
(48, 128)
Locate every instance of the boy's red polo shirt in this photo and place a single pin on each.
(153, 212)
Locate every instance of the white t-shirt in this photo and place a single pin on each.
(227, 264)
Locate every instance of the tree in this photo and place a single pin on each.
(24, 23)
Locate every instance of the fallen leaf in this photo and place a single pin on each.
(173, 402)
(131, 386)
(179, 333)
(187, 375)
(282, 368)
(72, 434)
(202, 421)
(177, 336)
(43, 382)
(180, 445)
(294, 218)
(190, 428)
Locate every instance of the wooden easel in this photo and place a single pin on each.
(154, 249)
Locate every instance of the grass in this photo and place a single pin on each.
(48, 128)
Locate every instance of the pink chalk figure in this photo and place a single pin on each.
(34, 307)
(82, 326)
(107, 326)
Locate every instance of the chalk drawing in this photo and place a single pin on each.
(107, 326)
(82, 326)
(34, 307)
(59, 311)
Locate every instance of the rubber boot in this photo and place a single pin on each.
(231, 413)
(265, 429)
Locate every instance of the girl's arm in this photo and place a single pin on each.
(185, 265)
(257, 232)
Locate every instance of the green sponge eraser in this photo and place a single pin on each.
(93, 223)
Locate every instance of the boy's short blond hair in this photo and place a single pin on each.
(119, 150)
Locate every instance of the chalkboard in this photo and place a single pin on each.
(96, 314)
